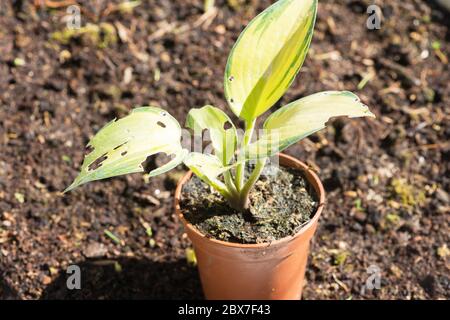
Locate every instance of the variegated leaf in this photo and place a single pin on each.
(207, 167)
(222, 130)
(303, 117)
(267, 56)
(123, 145)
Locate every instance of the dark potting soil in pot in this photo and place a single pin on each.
(280, 204)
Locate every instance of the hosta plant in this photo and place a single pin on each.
(261, 66)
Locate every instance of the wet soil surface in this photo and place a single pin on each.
(281, 202)
(387, 179)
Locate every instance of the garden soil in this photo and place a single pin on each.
(387, 179)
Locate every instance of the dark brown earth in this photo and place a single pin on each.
(280, 203)
(387, 179)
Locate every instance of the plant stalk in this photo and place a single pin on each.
(221, 188)
(245, 192)
(240, 169)
(230, 184)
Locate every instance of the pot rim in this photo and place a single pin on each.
(310, 175)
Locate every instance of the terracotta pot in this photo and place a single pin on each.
(264, 271)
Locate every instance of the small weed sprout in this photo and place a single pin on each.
(261, 67)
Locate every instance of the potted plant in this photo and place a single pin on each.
(269, 264)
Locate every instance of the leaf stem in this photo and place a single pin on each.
(230, 184)
(221, 188)
(245, 192)
(240, 169)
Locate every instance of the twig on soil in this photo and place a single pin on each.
(340, 283)
(443, 146)
(142, 56)
(163, 29)
(206, 19)
(126, 6)
(394, 88)
(54, 4)
(332, 55)
(108, 61)
(441, 56)
(401, 71)
(62, 4)
(203, 21)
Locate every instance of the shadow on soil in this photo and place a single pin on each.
(127, 278)
(440, 14)
(6, 292)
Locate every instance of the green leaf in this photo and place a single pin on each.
(303, 117)
(267, 56)
(222, 130)
(123, 145)
(207, 167)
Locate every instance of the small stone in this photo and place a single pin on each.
(396, 271)
(220, 29)
(46, 280)
(95, 250)
(342, 245)
(360, 216)
(64, 56)
(443, 251)
(127, 75)
(165, 57)
(442, 196)
(6, 223)
(351, 194)
(19, 197)
(370, 229)
(357, 227)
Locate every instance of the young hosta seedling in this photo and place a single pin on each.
(261, 67)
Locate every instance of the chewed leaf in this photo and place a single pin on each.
(267, 56)
(222, 130)
(303, 117)
(123, 145)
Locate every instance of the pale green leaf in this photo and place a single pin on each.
(207, 167)
(123, 145)
(222, 130)
(267, 56)
(303, 117)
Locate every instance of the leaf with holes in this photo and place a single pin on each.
(267, 56)
(123, 145)
(222, 130)
(303, 117)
